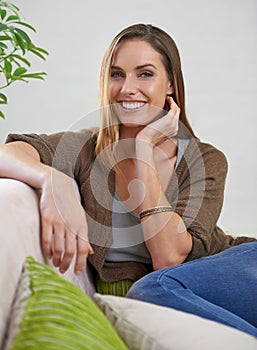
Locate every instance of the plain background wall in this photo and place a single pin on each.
(217, 42)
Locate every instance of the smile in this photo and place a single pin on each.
(132, 105)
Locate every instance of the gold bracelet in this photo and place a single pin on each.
(154, 210)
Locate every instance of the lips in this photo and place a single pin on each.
(132, 105)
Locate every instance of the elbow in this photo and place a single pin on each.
(163, 263)
(172, 256)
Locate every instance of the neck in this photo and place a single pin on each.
(126, 145)
(127, 132)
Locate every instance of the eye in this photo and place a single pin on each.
(117, 74)
(146, 74)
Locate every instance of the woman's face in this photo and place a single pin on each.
(139, 83)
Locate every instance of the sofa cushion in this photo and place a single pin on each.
(145, 326)
(52, 313)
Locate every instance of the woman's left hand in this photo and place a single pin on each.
(162, 128)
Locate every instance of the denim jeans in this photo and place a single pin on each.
(221, 287)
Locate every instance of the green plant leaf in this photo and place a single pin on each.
(25, 25)
(19, 71)
(24, 60)
(20, 43)
(11, 7)
(7, 66)
(35, 52)
(42, 50)
(3, 99)
(34, 75)
(23, 35)
(13, 60)
(5, 37)
(3, 45)
(15, 43)
(3, 13)
(13, 79)
(12, 18)
(3, 27)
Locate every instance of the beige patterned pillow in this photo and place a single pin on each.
(144, 326)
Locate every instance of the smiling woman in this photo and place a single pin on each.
(138, 83)
(151, 191)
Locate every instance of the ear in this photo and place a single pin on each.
(170, 89)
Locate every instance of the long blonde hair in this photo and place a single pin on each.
(165, 45)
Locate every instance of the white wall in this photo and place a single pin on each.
(217, 42)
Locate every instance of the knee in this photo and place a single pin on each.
(153, 285)
(160, 289)
(143, 288)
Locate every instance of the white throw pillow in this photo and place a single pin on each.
(145, 326)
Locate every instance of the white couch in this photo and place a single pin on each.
(20, 237)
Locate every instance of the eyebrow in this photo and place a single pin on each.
(138, 67)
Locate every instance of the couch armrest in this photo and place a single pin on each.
(20, 237)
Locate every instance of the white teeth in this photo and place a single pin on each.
(132, 105)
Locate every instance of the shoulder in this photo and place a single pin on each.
(61, 147)
(213, 156)
(202, 160)
(82, 135)
(77, 136)
(78, 144)
(73, 142)
(207, 152)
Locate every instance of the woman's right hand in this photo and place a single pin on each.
(163, 128)
(63, 223)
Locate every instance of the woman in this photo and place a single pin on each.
(151, 191)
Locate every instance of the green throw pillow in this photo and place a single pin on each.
(52, 313)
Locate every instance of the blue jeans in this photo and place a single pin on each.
(221, 287)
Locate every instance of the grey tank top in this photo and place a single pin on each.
(128, 239)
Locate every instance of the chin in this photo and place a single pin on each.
(131, 125)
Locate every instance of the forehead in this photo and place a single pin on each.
(136, 51)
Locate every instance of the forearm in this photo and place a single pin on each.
(64, 229)
(21, 161)
(167, 239)
(165, 233)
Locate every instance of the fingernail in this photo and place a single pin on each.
(77, 272)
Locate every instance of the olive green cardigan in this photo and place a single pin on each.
(195, 191)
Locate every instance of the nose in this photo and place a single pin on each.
(129, 86)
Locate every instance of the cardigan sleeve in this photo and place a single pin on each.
(64, 150)
(200, 193)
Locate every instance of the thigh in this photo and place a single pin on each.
(227, 279)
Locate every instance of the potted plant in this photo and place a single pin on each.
(15, 48)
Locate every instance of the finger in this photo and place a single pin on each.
(174, 109)
(58, 246)
(174, 114)
(83, 249)
(70, 247)
(46, 239)
(170, 101)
